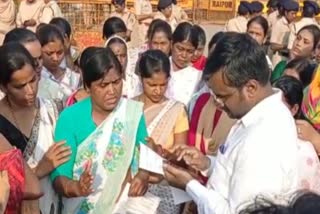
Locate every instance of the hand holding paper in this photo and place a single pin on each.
(150, 160)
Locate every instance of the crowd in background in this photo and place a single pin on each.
(238, 126)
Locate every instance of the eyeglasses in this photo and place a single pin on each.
(219, 102)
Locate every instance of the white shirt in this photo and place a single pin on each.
(183, 84)
(258, 157)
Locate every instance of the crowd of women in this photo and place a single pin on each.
(71, 123)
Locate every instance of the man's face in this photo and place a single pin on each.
(236, 102)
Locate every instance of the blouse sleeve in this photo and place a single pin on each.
(64, 132)
(142, 132)
(182, 123)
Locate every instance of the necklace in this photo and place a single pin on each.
(16, 121)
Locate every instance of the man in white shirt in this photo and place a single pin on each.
(259, 156)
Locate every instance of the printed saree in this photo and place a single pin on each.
(311, 102)
(12, 162)
(112, 150)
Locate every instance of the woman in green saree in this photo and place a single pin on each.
(303, 47)
(104, 132)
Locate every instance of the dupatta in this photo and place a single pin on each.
(112, 149)
(36, 149)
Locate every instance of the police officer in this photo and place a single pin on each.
(165, 13)
(310, 10)
(123, 13)
(281, 31)
(239, 23)
(256, 8)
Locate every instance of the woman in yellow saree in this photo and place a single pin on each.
(167, 119)
(104, 132)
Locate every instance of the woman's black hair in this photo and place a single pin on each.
(63, 25)
(185, 32)
(315, 31)
(98, 62)
(158, 25)
(215, 38)
(292, 90)
(301, 203)
(20, 35)
(153, 61)
(116, 40)
(202, 40)
(304, 68)
(112, 26)
(262, 22)
(49, 33)
(13, 57)
(85, 55)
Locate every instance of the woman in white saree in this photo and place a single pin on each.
(56, 82)
(128, 59)
(185, 79)
(104, 132)
(28, 122)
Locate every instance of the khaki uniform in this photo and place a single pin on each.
(237, 24)
(280, 35)
(273, 18)
(297, 26)
(179, 13)
(7, 18)
(128, 18)
(29, 11)
(49, 11)
(172, 21)
(143, 7)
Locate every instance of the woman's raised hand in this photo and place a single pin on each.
(86, 181)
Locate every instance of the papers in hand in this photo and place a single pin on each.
(179, 196)
(150, 160)
(147, 204)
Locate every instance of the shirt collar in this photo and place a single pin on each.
(284, 20)
(263, 108)
(308, 19)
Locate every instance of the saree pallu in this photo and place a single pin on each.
(132, 86)
(311, 102)
(112, 149)
(209, 126)
(12, 162)
(161, 121)
(40, 141)
(50, 88)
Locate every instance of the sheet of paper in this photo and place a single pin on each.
(150, 160)
(180, 196)
(136, 205)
